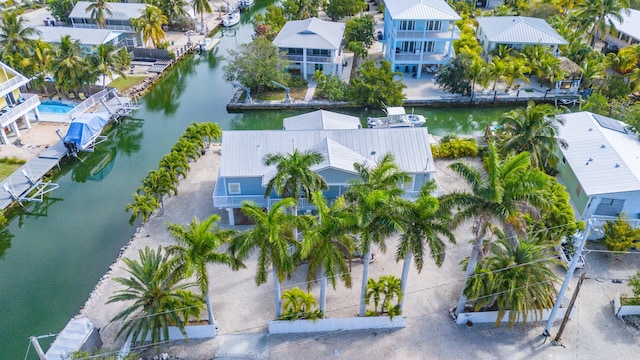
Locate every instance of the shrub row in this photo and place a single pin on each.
(454, 148)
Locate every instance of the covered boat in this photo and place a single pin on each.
(84, 132)
(396, 117)
(233, 18)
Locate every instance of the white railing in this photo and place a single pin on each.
(86, 104)
(12, 84)
(600, 220)
(31, 101)
(622, 310)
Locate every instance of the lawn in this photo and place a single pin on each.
(9, 166)
(295, 93)
(123, 84)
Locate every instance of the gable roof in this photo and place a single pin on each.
(244, 150)
(119, 11)
(92, 37)
(321, 120)
(519, 30)
(630, 23)
(310, 33)
(420, 10)
(603, 159)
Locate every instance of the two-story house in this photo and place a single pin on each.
(419, 34)
(14, 105)
(119, 19)
(626, 32)
(311, 45)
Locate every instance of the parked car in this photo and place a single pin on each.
(565, 253)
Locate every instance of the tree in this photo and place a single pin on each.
(39, 63)
(172, 9)
(61, 9)
(497, 69)
(454, 77)
(301, 9)
(375, 85)
(298, 305)
(386, 288)
(273, 237)
(360, 29)
(533, 129)
(159, 183)
(619, 235)
(99, 10)
(516, 69)
(105, 63)
(143, 206)
(68, 64)
(509, 191)
(338, 9)
(592, 70)
(200, 7)
(15, 39)
(358, 50)
(256, 64)
(197, 247)
(330, 86)
(149, 25)
(599, 15)
(189, 148)
(270, 23)
(175, 163)
(158, 298)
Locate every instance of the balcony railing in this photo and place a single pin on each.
(430, 58)
(12, 84)
(600, 220)
(31, 101)
(311, 59)
(431, 35)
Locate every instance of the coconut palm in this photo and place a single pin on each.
(533, 129)
(155, 295)
(424, 225)
(293, 177)
(149, 25)
(99, 10)
(592, 69)
(197, 247)
(173, 9)
(509, 191)
(175, 163)
(41, 57)
(327, 242)
(515, 278)
(143, 206)
(190, 148)
(273, 237)
(201, 7)
(599, 15)
(104, 63)
(68, 65)
(15, 38)
(159, 183)
(496, 70)
(516, 69)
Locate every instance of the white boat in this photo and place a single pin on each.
(233, 18)
(206, 44)
(243, 4)
(84, 132)
(396, 117)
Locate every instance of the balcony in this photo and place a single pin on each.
(12, 84)
(428, 35)
(10, 114)
(426, 58)
(310, 59)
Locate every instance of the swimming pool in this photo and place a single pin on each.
(54, 107)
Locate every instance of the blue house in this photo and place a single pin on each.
(419, 34)
(243, 175)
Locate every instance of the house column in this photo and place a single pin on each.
(3, 134)
(37, 113)
(26, 121)
(14, 126)
(232, 220)
(304, 63)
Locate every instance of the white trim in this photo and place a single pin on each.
(230, 186)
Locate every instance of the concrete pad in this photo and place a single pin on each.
(242, 346)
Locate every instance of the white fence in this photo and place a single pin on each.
(622, 310)
(492, 316)
(193, 332)
(337, 324)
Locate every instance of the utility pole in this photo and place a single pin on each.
(556, 341)
(567, 279)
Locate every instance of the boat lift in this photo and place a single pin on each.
(287, 98)
(35, 193)
(246, 90)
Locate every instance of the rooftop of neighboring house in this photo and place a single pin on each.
(311, 33)
(92, 37)
(119, 11)
(421, 10)
(630, 24)
(519, 30)
(321, 120)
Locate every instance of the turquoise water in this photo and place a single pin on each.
(54, 107)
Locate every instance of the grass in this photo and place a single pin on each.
(123, 84)
(295, 93)
(8, 166)
(627, 301)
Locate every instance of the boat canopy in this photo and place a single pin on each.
(84, 127)
(396, 110)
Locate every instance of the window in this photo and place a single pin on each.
(408, 185)
(295, 51)
(408, 46)
(234, 188)
(609, 207)
(319, 52)
(429, 46)
(434, 25)
(407, 25)
(319, 67)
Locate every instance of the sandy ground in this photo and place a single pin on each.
(32, 141)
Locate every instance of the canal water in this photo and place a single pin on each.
(53, 254)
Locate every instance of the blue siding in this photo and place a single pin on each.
(334, 176)
(248, 186)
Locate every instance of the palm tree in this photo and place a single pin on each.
(143, 206)
(200, 7)
(298, 304)
(516, 69)
(424, 224)
(68, 65)
(42, 55)
(99, 11)
(515, 278)
(509, 191)
(478, 73)
(159, 183)
(326, 244)
(383, 291)
(198, 245)
(104, 62)
(533, 129)
(157, 297)
(274, 238)
(188, 148)
(592, 69)
(497, 69)
(294, 177)
(173, 9)
(176, 163)
(15, 39)
(375, 198)
(149, 25)
(599, 15)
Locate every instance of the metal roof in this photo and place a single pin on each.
(604, 161)
(311, 33)
(93, 37)
(630, 24)
(519, 30)
(321, 120)
(421, 10)
(243, 151)
(119, 11)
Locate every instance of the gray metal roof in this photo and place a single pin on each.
(630, 24)
(311, 33)
(321, 120)
(519, 30)
(604, 161)
(243, 151)
(421, 10)
(93, 37)
(119, 11)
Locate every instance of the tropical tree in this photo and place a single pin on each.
(383, 291)
(155, 295)
(373, 85)
(592, 70)
(497, 69)
(516, 69)
(172, 9)
(39, 62)
(327, 242)
(99, 10)
(15, 39)
(509, 191)
(338, 9)
(105, 63)
(270, 23)
(599, 15)
(360, 29)
(273, 237)
(149, 25)
(159, 183)
(189, 148)
(68, 65)
(454, 76)
(298, 304)
(533, 129)
(201, 7)
(175, 163)
(256, 64)
(143, 206)
(197, 247)
(301, 9)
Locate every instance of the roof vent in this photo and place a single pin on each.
(617, 165)
(590, 159)
(373, 152)
(603, 146)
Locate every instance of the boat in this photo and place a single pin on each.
(396, 117)
(233, 18)
(243, 4)
(85, 132)
(206, 44)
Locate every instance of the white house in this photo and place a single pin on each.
(14, 105)
(627, 31)
(488, 4)
(321, 120)
(600, 167)
(517, 32)
(119, 19)
(419, 34)
(311, 45)
(88, 39)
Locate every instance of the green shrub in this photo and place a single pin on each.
(634, 282)
(299, 305)
(298, 82)
(12, 161)
(455, 148)
(619, 235)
